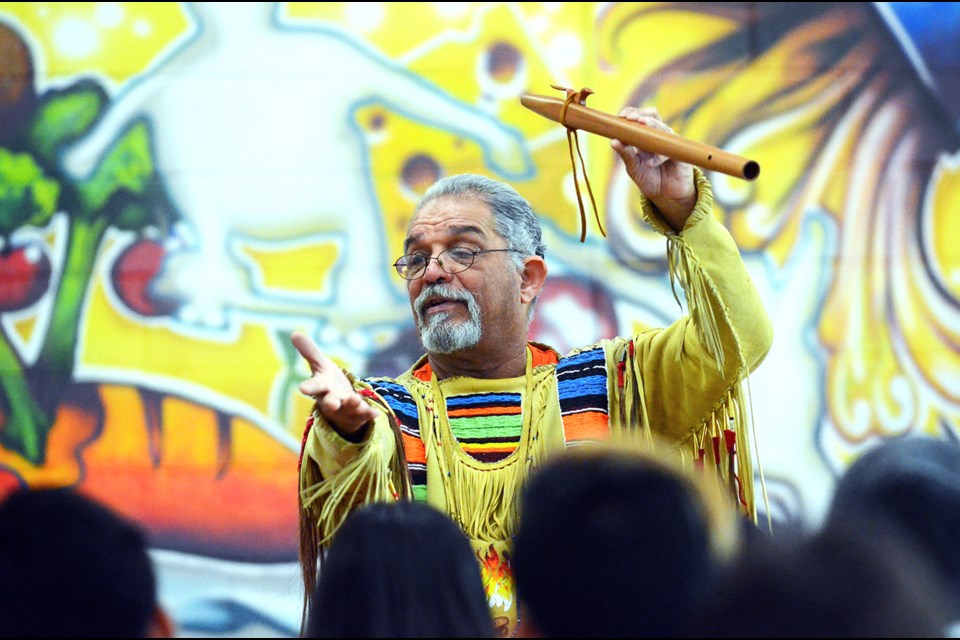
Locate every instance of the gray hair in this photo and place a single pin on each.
(513, 217)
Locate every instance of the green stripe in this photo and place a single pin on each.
(487, 427)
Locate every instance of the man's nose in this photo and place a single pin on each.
(434, 272)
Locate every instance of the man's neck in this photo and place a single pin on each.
(477, 364)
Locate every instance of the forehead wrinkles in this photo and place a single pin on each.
(448, 217)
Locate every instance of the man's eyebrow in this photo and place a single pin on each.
(456, 231)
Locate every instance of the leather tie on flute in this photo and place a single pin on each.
(573, 114)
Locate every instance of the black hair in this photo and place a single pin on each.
(71, 567)
(850, 579)
(400, 569)
(913, 483)
(609, 545)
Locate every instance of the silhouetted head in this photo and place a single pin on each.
(70, 567)
(613, 542)
(849, 580)
(914, 483)
(400, 569)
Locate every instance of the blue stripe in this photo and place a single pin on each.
(585, 357)
(582, 383)
(398, 398)
(383, 383)
(511, 399)
(590, 385)
(403, 409)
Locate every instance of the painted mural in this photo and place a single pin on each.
(182, 185)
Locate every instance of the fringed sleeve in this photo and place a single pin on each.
(337, 476)
(684, 383)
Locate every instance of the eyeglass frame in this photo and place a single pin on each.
(473, 253)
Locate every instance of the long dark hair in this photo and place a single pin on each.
(399, 569)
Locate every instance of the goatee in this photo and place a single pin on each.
(437, 332)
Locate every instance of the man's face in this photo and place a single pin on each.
(460, 311)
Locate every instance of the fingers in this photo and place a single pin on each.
(326, 376)
(315, 387)
(330, 380)
(334, 394)
(649, 117)
(355, 407)
(624, 151)
(637, 113)
(348, 411)
(307, 347)
(634, 158)
(310, 351)
(629, 155)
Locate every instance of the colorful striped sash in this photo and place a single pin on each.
(484, 422)
(582, 385)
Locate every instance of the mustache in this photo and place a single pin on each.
(442, 290)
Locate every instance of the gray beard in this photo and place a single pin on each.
(437, 334)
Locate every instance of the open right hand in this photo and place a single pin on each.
(337, 400)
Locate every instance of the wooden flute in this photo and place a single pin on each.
(580, 116)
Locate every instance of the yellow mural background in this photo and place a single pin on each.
(836, 129)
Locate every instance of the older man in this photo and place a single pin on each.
(464, 426)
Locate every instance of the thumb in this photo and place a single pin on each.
(626, 154)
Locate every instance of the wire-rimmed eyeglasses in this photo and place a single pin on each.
(414, 265)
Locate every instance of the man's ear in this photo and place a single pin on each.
(533, 278)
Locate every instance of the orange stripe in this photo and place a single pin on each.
(425, 372)
(538, 357)
(492, 448)
(541, 356)
(485, 411)
(413, 449)
(590, 425)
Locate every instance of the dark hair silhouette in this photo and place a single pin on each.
(848, 580)
(613, 543)
(70, 567)
(400, 569)
(912, 483)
